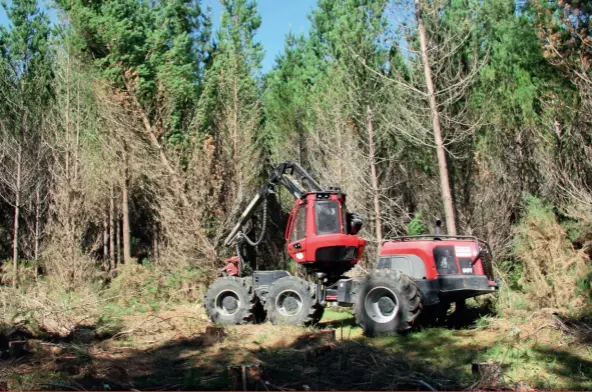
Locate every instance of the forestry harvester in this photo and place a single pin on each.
(414, 274)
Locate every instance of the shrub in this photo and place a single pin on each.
(48, 307)
(552, 268)
(145, 287)
(416, 226)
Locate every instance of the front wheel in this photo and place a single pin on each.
(291, 301)
(387, 301)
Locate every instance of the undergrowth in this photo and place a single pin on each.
(47, 305)
(549, 272)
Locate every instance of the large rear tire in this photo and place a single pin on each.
(291, 301)
(230, 301)
(387, 302)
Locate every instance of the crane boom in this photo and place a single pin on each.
(282, 174)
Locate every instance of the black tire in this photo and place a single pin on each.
(230, 301)
(387, 302)
(291, 301)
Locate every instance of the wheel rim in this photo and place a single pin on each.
(381, 304)
(288, 303)
(228, 302)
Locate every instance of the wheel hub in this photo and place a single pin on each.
(289, 303)
(227, 302)
(386, 305)
(381, 304)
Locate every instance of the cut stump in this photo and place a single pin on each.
(319, 351)
(214, 334)
(490, 373)
(323, 337)
(244, 377)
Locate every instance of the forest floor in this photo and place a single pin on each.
(168, 350)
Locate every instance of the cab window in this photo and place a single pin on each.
(299, 226)
(327, 217)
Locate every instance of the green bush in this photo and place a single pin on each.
(149, 287)
(416, 226)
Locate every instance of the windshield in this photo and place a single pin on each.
(327, 217)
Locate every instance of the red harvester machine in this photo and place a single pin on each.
(414, 274)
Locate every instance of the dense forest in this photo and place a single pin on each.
(133, 136)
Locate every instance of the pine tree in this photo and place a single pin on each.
(153, 52)
(231, 97)
(287, 105)
(25, 82)
(347, 36)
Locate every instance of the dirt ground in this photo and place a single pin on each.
(169, 350)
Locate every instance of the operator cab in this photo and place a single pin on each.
(321, 234)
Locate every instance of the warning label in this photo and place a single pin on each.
(462, 251)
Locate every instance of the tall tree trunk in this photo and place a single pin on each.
(17, 210)
(125, 208)
(105, 238)
(117, 243)
(111, 229)
(374, 176)
(235, 130)
(155, 242)
(77, 140)
(339, 149)
(440, 151)
(37, 228)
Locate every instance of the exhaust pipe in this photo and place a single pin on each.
(438, 227)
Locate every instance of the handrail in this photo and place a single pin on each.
(434, 236)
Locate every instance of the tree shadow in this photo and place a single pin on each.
(393, 363)
(468, 318)
(431, 356)
(465, 319)
(566, 365)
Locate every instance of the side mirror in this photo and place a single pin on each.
(355, 223)
(438, 227)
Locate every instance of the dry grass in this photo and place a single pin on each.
(169, 350)
(47, 308)
(156, 285)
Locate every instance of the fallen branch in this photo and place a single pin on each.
(425, 384)
(60, 386)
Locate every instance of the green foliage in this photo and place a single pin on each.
(145, 288)
(155, 50)
(416, 226)
(231, 80)
(25, 52)
(513, 272)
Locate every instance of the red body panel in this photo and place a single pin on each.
(233, 266)
(310, 245)
(304, 250)
(424, 249)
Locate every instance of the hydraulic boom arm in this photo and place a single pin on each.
(287, 174)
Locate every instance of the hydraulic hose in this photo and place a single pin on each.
(243, 237)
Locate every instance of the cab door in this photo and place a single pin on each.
(296, 236)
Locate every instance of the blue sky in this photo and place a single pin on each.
(278, 17)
